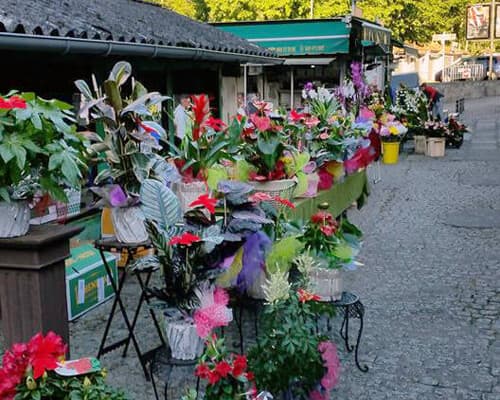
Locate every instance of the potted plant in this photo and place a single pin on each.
(40, 152)
(202, 151)
(189, 249)
(456, 133)
(37, 370)
(290, 358)
(265, 144)
(128, 140)
(227, 374)
(391, 132)
(437, 132)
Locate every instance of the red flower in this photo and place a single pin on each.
(12, 103)
(8, 384)
(296, 117)
(254, 176)
(259, 196)
(186, 239)
(304, 296)
(261, 123)
(250, 376)
(205, 201)
(213, 378)
(239, 365)
(283, 201)
(322, 217)
(45, 352)
(328, 230)
(201, 111)
(223, 369)
(203, 371)
(215, 123)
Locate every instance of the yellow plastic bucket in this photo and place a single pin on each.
(390, 152)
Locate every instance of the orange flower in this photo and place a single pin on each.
(304, 296)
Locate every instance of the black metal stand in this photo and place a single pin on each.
(162, 363)
(351, 307)
(253, 306)
(131, 249)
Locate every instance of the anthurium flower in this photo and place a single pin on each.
(205, 201)
(311, 122)
(262, 124)
(304, 296)
(284, 202)
(296, 117)
(186, 239)
(215, 123)
(12, 103)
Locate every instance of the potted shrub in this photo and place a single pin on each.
(37, 371)
(40, 152)
(437, 132)
(201, 152)
(290, 358)
(128, 141)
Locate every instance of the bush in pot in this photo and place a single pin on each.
(127, 116)
(40, 152)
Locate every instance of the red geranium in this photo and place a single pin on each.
(186, 239)
(213, 377)
(328, 230)
(205, 201)
(202, 370)
(12, 103)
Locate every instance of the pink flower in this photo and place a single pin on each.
(261, 123)
(331, 363)
(317, 395)
(213, 311)
(311, 122)
(324, 135)
(259, 196)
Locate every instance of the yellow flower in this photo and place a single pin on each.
(87, 382)
(393, 130)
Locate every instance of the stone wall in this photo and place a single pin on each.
(468, 89)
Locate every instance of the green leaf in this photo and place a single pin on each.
(282, 253)
(20, 154)
(302, 184)
(160, 204)
(268, 146)
(216, 174)
(4, 194)
(121, 71)
(6, 153)
(55, 161)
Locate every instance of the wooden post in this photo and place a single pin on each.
(33, 283)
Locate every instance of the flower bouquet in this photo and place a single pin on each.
(40, 155)
(34, 371)
(456, 133)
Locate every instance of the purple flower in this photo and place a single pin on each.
(117, 196)
(308, 86)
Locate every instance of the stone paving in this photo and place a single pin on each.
(430, 284)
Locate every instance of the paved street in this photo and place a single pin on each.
(430, 285)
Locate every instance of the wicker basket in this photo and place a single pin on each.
(283, 188)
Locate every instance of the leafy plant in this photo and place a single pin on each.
(39, 147)
(127, 115)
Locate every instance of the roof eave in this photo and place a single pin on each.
(104, 48)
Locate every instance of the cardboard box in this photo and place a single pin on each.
(87, 284)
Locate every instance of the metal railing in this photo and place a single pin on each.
(473, 72)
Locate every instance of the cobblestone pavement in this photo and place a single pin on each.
(430, 284)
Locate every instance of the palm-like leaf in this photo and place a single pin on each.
(160, 204)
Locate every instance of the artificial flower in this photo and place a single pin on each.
(212, 311)
(305, 296)
(206, 201)
(311, 122)
(186, 239)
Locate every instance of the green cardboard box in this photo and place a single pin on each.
(87, 284)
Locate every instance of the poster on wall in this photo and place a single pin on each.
(478, 22)
(497, 22)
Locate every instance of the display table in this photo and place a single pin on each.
(354, 188)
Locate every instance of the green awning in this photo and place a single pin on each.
(295, 38)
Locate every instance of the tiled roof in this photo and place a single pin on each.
(128, 21)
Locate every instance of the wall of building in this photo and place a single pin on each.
(468, 89)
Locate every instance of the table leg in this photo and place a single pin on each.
(344, 329)
(364, 368)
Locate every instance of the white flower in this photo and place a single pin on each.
(277, 287)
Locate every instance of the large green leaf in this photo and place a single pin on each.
(6, 153)
(159, 204)
(268, 146)
(84, 88)
(282, 254)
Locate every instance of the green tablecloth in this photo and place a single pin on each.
(340, 197)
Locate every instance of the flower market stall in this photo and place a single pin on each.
(252, 211)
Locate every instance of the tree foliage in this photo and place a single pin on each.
(410, 20)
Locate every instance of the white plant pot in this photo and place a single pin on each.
(128, 223)
(188, 192)
(327, 283)
(183, 340)
(14, 218)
